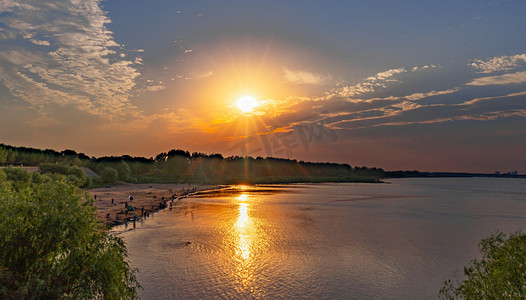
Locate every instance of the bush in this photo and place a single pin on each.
(18, 177)
(74, 174)
(123, 170)
(3, 155)
(109, 175)
(499, 274)
(53, 247)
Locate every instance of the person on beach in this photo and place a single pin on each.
(170, 205)
(142, 211)
(111, 201)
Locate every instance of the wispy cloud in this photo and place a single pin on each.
(512, 78)
(155, 88)
(304, 77)
(418, 96)
(377, 82)
(79, 63)
(475, 100)
(500, 63)
(424, 67)
(39, 42)
(370, 84)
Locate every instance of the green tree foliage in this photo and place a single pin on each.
(33, 157)
(74, 174)
(123, 170)
(109, 175)
(181, 166)
(3, 155)
(499, 274)
(19, 177)
(53, 247)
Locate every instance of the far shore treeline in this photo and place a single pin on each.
(182, 166)
(179, 166)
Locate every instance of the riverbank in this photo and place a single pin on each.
(139, 200)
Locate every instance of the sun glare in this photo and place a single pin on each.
(246, 103)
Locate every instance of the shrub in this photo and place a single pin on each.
(123, 170)
(109, 175)
(74, 174)
(53, 247)
(18, 177)
(499, 274)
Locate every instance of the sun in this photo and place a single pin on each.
(247, 103)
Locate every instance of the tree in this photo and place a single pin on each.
(3, 155)
(109, 175)
(74, 174)
(499, 274)
(53, 246)
(20, 178)
(123, 170)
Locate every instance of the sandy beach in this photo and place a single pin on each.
(144, 195)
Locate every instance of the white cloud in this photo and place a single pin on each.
(10, 5)
(204, 75)
(414, 69)
(513, 78)
(370, 84)
(79, 68)
(155, 88)
(500, 63)
(39, 42)
(387, 75)
(304, 77)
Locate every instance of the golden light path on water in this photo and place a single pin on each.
(245, 235)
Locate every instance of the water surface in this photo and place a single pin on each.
(322, 241)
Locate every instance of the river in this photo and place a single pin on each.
(398, 240)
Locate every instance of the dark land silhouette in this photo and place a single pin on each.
(180, 166)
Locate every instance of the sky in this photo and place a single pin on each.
(399, 85)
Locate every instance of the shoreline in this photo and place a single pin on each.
(147, 198)
(158, 194)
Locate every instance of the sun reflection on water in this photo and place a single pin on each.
(245, 240)
(245, 234)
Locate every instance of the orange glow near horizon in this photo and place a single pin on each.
(236, 69)
(242, 93)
